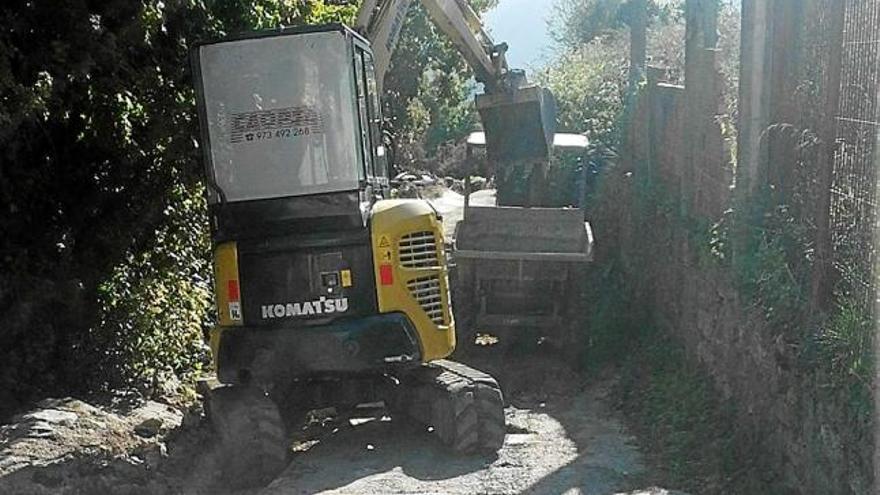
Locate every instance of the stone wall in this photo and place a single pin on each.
(797, 431)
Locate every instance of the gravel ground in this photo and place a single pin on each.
(574, 445)
(564, 436)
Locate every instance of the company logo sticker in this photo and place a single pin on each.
(276, 123)
(321, 306)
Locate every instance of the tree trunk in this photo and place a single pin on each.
(638, 45)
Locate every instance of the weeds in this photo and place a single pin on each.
(846, 343)
(676, 412)
(768, 253)
(844, 351)
(614, 321)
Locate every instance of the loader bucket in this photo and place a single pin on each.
(519, 125)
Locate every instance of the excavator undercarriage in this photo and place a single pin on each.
(464, 407)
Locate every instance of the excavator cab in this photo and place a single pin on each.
(315, 272)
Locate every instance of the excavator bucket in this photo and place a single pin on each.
(519, 125)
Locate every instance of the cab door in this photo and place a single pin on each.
(372, 145)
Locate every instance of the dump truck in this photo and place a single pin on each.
(521, 265)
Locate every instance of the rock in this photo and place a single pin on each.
(478, 183)
(425, 180)
(457, 185)
(52, 416)
(149, 427)
(654, 491)
(71, 405)
(408, 190)
(153, 418)
(68, 446)
(151, 454)
(167, 387)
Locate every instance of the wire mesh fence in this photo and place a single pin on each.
(807, 136)
(854, 190)
(796, 239)
(815, 77)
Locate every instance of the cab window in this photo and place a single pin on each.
(375, 114)
(360, 83)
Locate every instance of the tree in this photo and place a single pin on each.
(577, 22)
(104, 263)
(104, 250)
(429, 89)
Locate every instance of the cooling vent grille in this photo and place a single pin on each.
(426, 291)
(418, 250)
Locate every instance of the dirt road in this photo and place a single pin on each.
(564, 436)
(557, 443)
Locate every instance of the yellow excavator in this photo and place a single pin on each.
(328, 293)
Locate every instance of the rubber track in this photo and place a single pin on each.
(489, 403)
(251, 431)
(465, 406)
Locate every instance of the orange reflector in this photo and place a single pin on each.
(386, 275)
(232, 290)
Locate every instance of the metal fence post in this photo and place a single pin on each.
(820, 290)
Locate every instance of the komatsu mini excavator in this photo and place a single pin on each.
(328, 293)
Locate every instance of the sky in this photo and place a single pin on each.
(523, 25)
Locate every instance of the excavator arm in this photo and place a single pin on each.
(519, 119)
(381, 22)
(522, 264)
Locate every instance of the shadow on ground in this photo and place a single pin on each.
(563, 437)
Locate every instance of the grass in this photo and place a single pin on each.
(675, 414)
(686, 430)
(844, 350)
